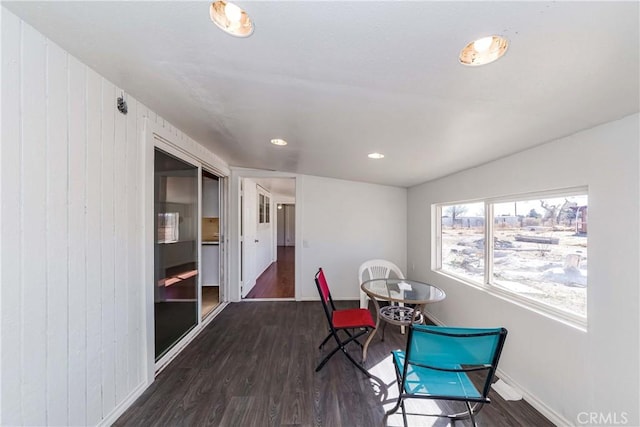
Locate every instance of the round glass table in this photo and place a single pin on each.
(410, 295)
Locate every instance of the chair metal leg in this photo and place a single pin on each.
(359, 366)
(341, 346)
(334, 351)
(399, 402)
(396, 407)
(352, 337)
(326, 359)
(473, 420)
(404, 414)
(325, 341)
(466, 414)
(470, 413)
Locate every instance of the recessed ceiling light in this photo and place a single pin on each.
(278, 141)
(376, 156)
(484, 50)
(230, 18)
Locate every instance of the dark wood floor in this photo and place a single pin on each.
(254, 366)
(277, 281)
(210, 299)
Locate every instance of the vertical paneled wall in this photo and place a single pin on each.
(70, 205)
(71, 263)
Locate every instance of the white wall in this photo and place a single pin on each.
(280, 225)
(345, 223)
(289, 225)
(210, 265)
(567, 370)
(210, 253)
(210, 198)
(180, 189)
(339, 224)
(72, 247)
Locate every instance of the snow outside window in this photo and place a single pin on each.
(539, 253)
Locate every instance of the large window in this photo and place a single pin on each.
(462, 240)
(538, 254)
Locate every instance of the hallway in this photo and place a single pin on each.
(277, 281)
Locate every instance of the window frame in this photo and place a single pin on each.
(487, 283)
(264, 208)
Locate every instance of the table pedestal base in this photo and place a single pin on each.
(398, 315)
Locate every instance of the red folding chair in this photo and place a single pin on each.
(347, 320)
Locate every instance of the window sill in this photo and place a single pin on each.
(569, 319)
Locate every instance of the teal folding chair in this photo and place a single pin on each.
(437, 360)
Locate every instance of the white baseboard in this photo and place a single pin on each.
(434, 319)
(317, 298)
(113, 416)
(530, 398)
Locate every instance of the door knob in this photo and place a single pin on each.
(256, 240)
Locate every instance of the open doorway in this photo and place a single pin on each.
(212, 245)
(268, 238)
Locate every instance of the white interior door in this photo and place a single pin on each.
(264, 235)
(249, 237)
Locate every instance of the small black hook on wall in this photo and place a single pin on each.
(122, 104)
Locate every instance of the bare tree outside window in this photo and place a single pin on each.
(546, 259)
(455, 212)
(539, 249)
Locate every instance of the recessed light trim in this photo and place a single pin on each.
(278, 141)
(376, 156)
(231, 18)
(483, 50)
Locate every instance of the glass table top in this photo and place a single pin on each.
(403, 290)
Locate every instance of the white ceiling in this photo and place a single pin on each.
(339, 80)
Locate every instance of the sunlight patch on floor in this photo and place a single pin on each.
(384, 372)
